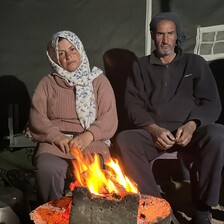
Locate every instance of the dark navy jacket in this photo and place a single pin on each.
(170, 95)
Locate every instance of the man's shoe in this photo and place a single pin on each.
(202, 217)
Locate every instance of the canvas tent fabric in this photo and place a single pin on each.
(102, 25)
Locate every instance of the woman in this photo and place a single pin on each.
(72, 107)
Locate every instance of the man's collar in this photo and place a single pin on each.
(155, 60)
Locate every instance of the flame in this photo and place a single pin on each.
(88, 173)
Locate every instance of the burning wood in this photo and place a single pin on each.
(89, 173)
(103, 189)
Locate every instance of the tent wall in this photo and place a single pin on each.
(27, 25)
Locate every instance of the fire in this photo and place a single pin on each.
(88, 172)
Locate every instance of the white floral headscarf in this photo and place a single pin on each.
(81, 78)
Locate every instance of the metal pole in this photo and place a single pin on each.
(147, 31)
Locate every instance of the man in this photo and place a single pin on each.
(173, 101)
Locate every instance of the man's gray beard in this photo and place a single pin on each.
(165, 52)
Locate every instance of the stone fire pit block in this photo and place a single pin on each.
(92, 209)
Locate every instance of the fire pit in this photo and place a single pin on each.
(85, 208)
(102, 197)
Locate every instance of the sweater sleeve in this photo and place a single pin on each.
(42, 129)
(106, 122)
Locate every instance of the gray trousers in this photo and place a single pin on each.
(50, 177)
(207, 147)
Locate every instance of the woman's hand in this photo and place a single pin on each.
(62, 142)
(81, 141)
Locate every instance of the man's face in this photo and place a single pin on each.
(165, 37)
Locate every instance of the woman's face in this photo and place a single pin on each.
(69, 56)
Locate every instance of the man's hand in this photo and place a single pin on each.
(184, 133)
(163, 138)
(81, 141)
